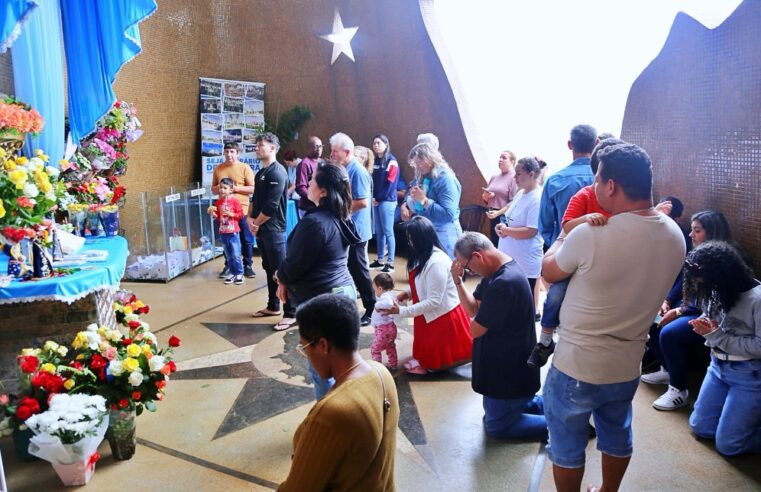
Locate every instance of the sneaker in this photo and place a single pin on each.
(540, 355)
(376, 264)
(671, 399)
(249, 272)
(238, 280)
(224, 273)
(660, 376)
(538, 317)
(229, 279)
(365, 320)
(388, 268)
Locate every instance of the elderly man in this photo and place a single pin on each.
(502, 307)
(342, 153)
(621, 274)
(243, 188)
(304, 173)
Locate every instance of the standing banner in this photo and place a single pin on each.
(231, 111)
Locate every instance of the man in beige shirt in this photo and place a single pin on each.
(243, 188)
(620, 275)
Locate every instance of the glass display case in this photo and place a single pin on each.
(177, 233)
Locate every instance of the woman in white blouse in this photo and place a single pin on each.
(441, 325)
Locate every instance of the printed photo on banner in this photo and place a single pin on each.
(249, 136)
(234, 89)
(249, 149)
(234, 120)
(210, 149)
(211, 88)
(211, 136)
(255, 123)
(233, 105)
(211, 122)
(253, 106)
(211, 105)
(255, 91)
(233, 136)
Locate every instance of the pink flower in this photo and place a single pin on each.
(110, 353)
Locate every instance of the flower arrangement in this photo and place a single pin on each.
(70, 418)
(102, 155)
(29, 190)
(17, 118)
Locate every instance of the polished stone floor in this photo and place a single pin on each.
(241, 389)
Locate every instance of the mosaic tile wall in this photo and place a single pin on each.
(697, 111)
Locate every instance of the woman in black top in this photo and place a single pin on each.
(317, 252)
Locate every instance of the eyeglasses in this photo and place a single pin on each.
(300, 347)
(465, 268)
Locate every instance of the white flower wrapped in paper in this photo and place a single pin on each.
(70, 430)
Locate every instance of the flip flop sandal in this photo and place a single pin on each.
(419, 370)
(266, 313)
(411, 364)
(284, 324)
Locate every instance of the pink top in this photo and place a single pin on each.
(504, 187)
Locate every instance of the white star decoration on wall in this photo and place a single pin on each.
(341, 38)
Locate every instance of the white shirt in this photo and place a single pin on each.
(524, 212)
(385, 301)
(435, 289)
(622, 271)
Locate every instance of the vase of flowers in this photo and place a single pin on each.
(122, 423)
(109, 219)
(68, 434)
(16, 120)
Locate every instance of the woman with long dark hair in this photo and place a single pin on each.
(441, 326)
(385, 178)
(672, 344)
(728, 408)
(318, 248)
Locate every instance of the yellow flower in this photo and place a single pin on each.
(50, 345)
(68, 384)
(134, 350)
(2, 210)
(43, 182)
(10, 165)
(127, 310)
(80, 356)
(103, 346)
(48, 367)
(3, 153)
(139, 304)
(131, 364)
(18, 177)
(27, 351)
(79, 341)
(21, 160)
(147, 350)
(39, 153)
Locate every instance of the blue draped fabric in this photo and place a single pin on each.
(38, 77)
(14, 13)
(109, 29)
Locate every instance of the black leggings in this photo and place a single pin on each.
(532, 284)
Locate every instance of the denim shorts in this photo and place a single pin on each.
(568, 403)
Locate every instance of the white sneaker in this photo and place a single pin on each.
(661, 376)
(671, 399)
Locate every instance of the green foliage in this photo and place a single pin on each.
(288, 124)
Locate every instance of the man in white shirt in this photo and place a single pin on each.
(621, 273)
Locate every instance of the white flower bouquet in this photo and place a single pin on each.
(68, 434)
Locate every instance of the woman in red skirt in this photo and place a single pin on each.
(442, 327)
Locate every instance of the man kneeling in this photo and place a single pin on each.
(503, 337)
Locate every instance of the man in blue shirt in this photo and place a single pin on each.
(561, 186)
(342, 153)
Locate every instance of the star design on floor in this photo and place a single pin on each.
(280, 382)
(341, 38)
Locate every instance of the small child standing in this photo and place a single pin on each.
(385, 328)
(228, 212)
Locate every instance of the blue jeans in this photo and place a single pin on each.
(384, 229)
(568, 404)
(553, 302)
(520, 418)
(448, 234)
(231, 246)
(672, 348)
(322, 386)
(729, 407)
(247, 241)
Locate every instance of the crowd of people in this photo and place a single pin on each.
(620, 296)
